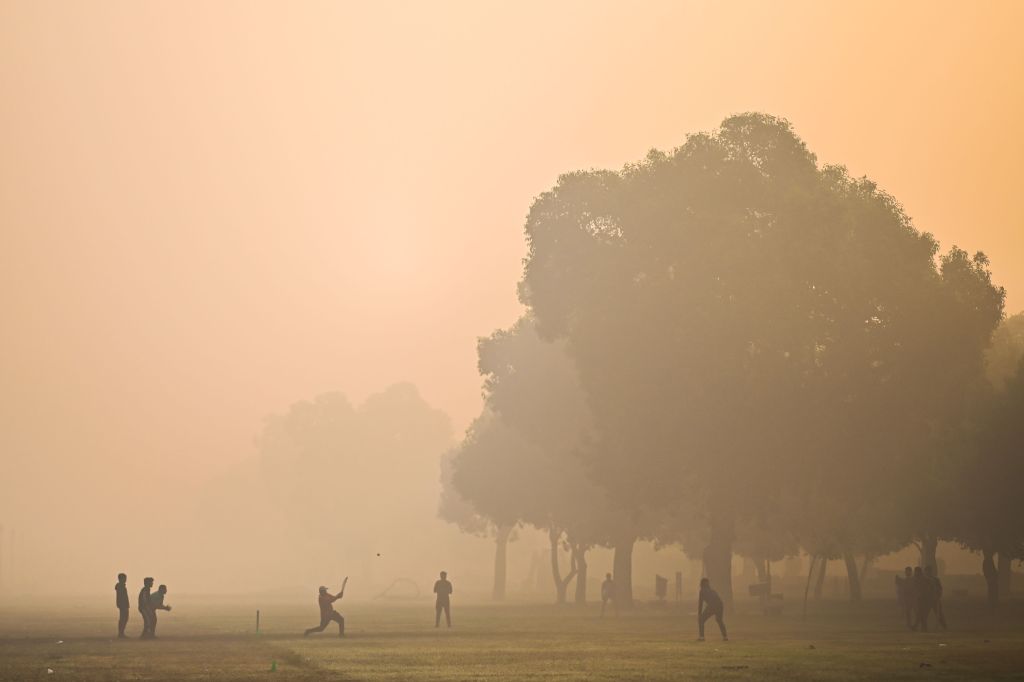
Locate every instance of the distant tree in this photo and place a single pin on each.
(508, 478)
(484, 473)
(521, 459)
(454, 509)
(855, 523)
(534, 386)
(392, 441)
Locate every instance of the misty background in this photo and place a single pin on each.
(217, 225)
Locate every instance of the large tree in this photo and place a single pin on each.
(740, 318)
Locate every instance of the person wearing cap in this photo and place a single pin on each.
(443, 590)
(327, 612)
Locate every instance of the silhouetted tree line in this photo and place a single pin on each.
(737, 349)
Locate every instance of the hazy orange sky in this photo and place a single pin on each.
(211, 210)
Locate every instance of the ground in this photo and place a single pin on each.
(204, 639)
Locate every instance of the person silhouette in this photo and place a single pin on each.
(608, 594)
(156, 603)
(904, 592)
(708, 597)
(443, 590)
(121, 599)
(327, 613)
(144, 609)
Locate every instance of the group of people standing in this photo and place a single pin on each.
(149, 603)
(919, 592)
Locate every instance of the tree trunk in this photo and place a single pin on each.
(500, 562)
(820, 582)
(810, 574)
(581, 574)
(718, 555)
(1005, 574)
(853, 575)
(988, 569)
(749, 574)
(929, 546)
(561, 584)
(556, 572)
(622, 572)
(761, 570)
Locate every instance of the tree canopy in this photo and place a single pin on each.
(749, 326)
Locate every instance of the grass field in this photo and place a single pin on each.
(215, 640)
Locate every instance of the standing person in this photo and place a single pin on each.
(327, 612)
(708, 597)
(904, 592)
(608, 594)
(922, 599)
(936, 595)
(443, 590)
(121, 599)
(143, 606)
(156, 603)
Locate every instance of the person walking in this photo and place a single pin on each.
(121, 599)
(443, 590)
(714, 608)
(327, 613)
